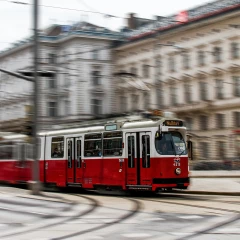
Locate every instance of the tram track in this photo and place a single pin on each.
(212, 227)
(235, 216)
(26, 207)
(137, 204)
(94, 204)
(189, 205)
(131, 213)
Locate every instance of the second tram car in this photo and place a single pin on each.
(138, 154)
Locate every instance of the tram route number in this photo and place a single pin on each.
(176, 162)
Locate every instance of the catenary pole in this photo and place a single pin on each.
(35, 169)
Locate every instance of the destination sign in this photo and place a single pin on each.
(173, 123)
(111, 127)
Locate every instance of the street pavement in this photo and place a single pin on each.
(206, 212)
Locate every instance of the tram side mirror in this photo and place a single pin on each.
(159, 135)
(190, 149)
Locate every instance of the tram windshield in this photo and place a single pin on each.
(170, 143)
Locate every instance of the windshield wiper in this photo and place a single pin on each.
(173, 148)
(181, 152)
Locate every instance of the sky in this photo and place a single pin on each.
(17, 19)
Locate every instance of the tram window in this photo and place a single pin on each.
(146, 151)
(70, 154)
(79, 154)
(39, 148)
(112, 144)
(29, 151)
(21, 152)
(57, 150)
(6, 152)
(170, 143)
(164, 144)
(93, 145)
(179, 143)
(131, 152)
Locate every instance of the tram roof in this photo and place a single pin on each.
(73, 131)
(125, 124)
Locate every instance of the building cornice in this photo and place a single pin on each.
(160, 33)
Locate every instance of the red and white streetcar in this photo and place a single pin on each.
(132, 153)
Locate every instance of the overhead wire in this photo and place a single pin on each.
(64, 8)
(72, 9)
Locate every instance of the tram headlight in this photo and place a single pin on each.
(178, 171)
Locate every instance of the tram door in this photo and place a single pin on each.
(138, 158)
(74, 160)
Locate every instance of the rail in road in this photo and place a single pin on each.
(231, 213)
(91, 205)
(92, 215)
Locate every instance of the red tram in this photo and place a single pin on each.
(138, 154)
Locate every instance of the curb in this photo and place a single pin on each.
(208, 193)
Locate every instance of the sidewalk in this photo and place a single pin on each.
(215, 174)
(214, 182)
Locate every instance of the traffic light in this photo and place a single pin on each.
(28, 128)
(29, 124)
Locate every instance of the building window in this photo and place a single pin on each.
(188, 92)
(160, 98)
(219, 89)
(236, 116)
(65, 57)
(204, 150)
(203, 122)
(201, 58)
(217, 54)
(135, 101)
(67, 107)
(96, 78)
(236, 86)
(52, 109)
(145, 69)
(52, 82)
(95, 54)
(203, 91)
(219, 120)
(171, 64)
(173, 91)
(96, 107)
(52, 58)
(146, 100)
(189, 123)
(221, 149)
(123, 102)
(235, 50)
(66, 79)
(186, 61)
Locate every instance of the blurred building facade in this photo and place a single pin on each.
(76, 75)
(200, 81)
(84, 76)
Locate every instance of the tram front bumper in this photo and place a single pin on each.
(179, 183)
